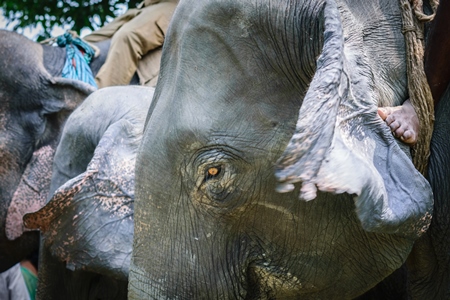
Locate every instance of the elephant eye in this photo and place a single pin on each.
(212, 172)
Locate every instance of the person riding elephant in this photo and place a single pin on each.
(137, 32)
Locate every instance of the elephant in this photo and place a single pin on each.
(272, 175)
(87, 224)
(31, 130)
(93, 163)
(34, 104)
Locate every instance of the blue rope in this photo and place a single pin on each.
(77, 63)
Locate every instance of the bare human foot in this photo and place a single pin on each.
(403, 121)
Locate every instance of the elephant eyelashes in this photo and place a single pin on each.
(212, 172)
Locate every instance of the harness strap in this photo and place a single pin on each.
(418, 88)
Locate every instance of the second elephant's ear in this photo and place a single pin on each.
(88, 223)
(72, 92)
(32, 191)
(341, 145)
(63, 97)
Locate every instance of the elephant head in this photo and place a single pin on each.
(33, 108)
(87, 225)
(255, 98)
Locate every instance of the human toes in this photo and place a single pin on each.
(383, 113)
(394, 125)
(399, 132)
(390, 119)
(409, 137)
(386, 112)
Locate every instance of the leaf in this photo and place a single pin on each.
(74, 15)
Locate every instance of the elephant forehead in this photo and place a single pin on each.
(216, 129)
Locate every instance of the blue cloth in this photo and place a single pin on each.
(77, 63)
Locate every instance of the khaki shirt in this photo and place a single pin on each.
(148, 66)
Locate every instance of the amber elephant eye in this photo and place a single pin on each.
(212, 172)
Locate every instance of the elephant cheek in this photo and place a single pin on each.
(31, 193)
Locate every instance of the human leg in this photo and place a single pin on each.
(134, 39)
(107, 31)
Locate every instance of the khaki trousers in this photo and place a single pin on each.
(134, 34)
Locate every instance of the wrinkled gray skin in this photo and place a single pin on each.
(34, 104)
(87, 226)
(261, 97)
(429, 275)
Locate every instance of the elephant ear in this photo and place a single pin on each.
(32, 191)
(88, 223)
(69, 92)
(63, 96)
(341, 145)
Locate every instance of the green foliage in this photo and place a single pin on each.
(75, 14)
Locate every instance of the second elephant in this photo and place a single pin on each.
(87, 226)
(275, 96)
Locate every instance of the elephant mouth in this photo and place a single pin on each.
(269, 282)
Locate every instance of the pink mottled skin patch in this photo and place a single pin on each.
(31, 193)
